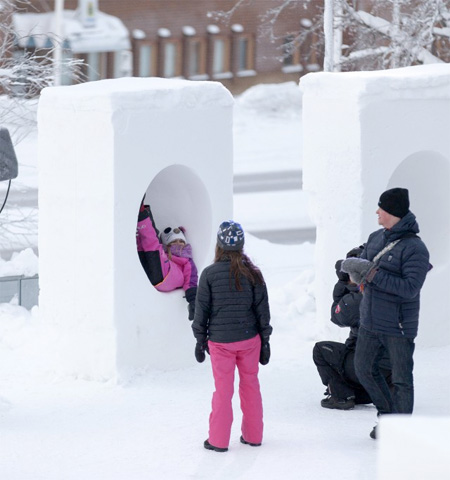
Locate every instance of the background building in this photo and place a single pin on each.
(176, 38)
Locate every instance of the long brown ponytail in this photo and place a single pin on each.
(241, 265)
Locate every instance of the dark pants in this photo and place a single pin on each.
(370, 348)
(335, 364)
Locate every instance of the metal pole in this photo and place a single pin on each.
(328, 28)
(337, 36)
(58, 47)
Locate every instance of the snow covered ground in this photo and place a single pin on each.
(54, 427)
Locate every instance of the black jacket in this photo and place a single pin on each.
(345, 309)
(224, 314)
(345, 312)
(391, 301)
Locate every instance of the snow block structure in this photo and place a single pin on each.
(365, 132)
(413, 447)
(102, 146)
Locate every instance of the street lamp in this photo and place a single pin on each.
(58, 47)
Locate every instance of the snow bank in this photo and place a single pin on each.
(273, 99)
(22, 263)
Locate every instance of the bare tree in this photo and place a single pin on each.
(25, 72)
(376, 35)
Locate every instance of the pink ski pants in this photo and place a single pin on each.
(224, 358)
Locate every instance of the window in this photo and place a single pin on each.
(244, 53)
(220, 56)
(123, 64)
(291, 55)
(96, 69)
(291, 52)
(195, 57)
(243, 48)
(171, 59)
(147, 61)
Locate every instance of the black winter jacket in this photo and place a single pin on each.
(224, 314)
(391, 301)
(345, 309)
(345, 312)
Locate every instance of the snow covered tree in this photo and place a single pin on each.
(368, 35)
(24, 72)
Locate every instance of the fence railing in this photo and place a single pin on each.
(26, 289)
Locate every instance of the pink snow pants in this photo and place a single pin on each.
(224, 358)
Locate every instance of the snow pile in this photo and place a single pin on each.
(22, 263)
(283, 99)
(267, 128)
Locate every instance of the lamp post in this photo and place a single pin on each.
(328, 25)
(332, 28)
(58, 47)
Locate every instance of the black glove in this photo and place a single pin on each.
(190, 295)
(264, 356)
(191, 310)
(355, 252)
(200, 349)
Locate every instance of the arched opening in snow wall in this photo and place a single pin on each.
(427, 176)
(178, 197)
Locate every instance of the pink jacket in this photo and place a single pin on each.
(178, 268)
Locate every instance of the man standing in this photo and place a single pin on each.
(391, 271)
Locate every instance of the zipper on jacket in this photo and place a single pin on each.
(401, 327)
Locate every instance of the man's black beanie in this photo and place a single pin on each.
(395, 201)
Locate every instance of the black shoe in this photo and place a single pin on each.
(373, 433)
(248, 443)
(208, 446)
(338, 404)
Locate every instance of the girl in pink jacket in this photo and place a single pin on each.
(167, 260)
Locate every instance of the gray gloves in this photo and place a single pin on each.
(359, 269)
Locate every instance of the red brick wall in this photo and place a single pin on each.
(151, 15)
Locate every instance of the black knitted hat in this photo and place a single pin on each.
(230, 236)
(395, 201)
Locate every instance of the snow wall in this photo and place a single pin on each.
(102, 145)
(413, 447)
(365, 132)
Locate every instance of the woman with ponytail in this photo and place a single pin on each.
(232, 323)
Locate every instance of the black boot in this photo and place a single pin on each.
(208, 446)
(373, 433)
(338, 404)
(249, 443)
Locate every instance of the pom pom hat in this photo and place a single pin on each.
(170, 234)
(395, 201)
(230, 236)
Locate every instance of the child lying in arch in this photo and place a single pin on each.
(166, 257)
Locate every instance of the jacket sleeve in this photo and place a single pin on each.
(345, 313)
(415, 265)
(202, 309)
(190, 275)
(340, 289)
(262, 311)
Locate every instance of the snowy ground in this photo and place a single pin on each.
(153, 427)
